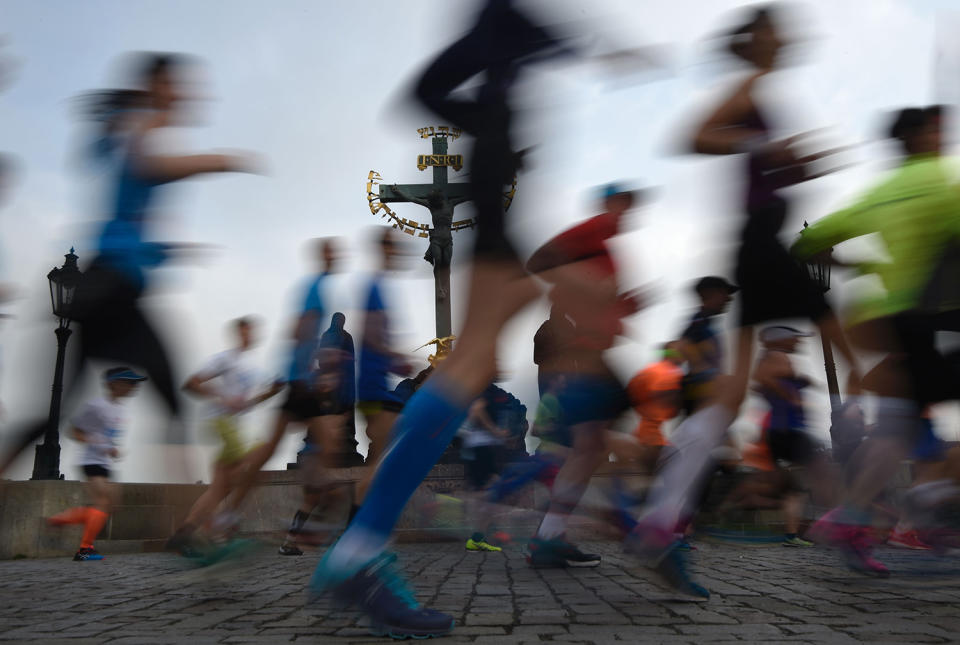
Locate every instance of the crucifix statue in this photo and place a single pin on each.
(440, 198)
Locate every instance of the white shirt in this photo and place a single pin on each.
(234, 375)
(102, 422)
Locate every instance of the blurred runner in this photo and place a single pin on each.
(357, 569)
(106, 303)
(701, 345)
(550, 428)
(313, 400)
(232, 386)
(481, 440)
(378, 360)
(99, 425)
(656, 393)
(916, 212)
(772, 287)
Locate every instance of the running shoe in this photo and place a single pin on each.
(857, 550)
(684, 544)
(184, 544)
(501, 538)
(381, 594)
(672, 569)
(828, 530)
(480, 545)
(557, 553)
(796, 541)
(907, 540)
(86, 553)
(289, 549)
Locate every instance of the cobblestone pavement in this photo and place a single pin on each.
(761, 594)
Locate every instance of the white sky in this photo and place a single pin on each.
(318, 90)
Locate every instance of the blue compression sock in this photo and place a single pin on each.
(429, 422)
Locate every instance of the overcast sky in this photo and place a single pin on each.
(318, 89)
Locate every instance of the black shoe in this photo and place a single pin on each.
(382, 595)
(558, 553)
(85, 554)
(184, 544)
(289, 549)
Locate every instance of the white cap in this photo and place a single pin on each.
(781, 332)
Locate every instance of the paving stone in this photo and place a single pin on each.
(760, 594)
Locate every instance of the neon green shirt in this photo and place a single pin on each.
(916, 212)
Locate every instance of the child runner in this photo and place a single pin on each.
(99, 426)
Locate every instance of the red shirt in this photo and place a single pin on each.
(586, 243)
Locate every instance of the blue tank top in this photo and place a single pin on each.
(121, 244)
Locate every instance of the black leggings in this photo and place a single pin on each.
(111, 328)
(499, 39)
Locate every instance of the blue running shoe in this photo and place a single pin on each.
(672, 569)
(86, 553)
(380, 593)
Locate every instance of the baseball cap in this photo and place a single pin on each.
(123, 374)
(714, 282)
(617, 188)
(781, 332)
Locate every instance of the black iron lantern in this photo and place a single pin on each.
(63, 286)
(818, 268)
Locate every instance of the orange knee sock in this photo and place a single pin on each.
(76, 515)
(92, 527)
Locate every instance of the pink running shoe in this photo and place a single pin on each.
(827, 530)
(858, 552)
(907, 540)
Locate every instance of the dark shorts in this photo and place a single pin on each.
(303, 403)
(592, 398)
(482, 466)
(935, 377)
(773, 285)
(793, 446)
(697, 389)
(929, 447)
(96, 471)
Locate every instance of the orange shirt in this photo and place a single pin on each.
(646, 390)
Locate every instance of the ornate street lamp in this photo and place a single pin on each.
(63, 288)
(818, 268)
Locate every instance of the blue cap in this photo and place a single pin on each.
(123, 374)
(618, 188)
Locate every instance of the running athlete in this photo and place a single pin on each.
(785, 426)
(593, 397)
(550, 429)
(701, 345)
(357, 568)
(481, 441)
(655, 393)
(916, 212)
(312, 399)
(772, 287)
(112, 325)
(376, 400)
(99, 426)
(230, 383)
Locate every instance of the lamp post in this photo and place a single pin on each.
(818, 268)
(63, 287)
